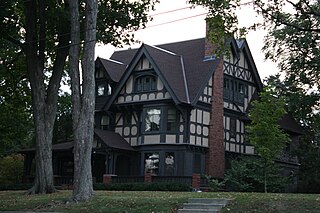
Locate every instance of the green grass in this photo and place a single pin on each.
(140, 202)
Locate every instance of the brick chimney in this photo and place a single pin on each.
(215, 158)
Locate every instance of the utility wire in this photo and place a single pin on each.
(171, 11)
(169, 22)
(152, 15)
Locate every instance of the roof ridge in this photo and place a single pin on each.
(185, 80)
(115, 61)
(161, 49)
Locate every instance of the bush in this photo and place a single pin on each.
(16, 186)
(215, 184)
(247, 175)
(142, 187)
(11, 169)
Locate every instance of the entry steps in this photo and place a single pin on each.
(203, 205)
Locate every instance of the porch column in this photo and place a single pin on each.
(107, 163)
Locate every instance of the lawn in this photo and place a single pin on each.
(118, 201)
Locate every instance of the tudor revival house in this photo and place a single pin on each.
(171, 110)
(179, 108)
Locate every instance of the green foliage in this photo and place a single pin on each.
(292, 41)
(264, 131)
(215, 184)
(117, 20)
(11, 169)
(222, 21)
(142, 186)
(309, 173)
(63, 126)
(15, 101)
(247, 175)
(14, 186)
(302, 105)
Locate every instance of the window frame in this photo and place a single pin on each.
(232, 91)
(145, 120)
(105, 126)
(175, 120)
(153, 162)
(145, 83)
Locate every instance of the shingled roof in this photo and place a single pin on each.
(182, 65)
(110, 139)
(115, 69)
(113, 140)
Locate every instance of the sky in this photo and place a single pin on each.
(186, 23)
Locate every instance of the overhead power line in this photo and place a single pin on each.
(169, 22)
(171, 11)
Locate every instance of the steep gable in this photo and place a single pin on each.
(198, 71)
(160, 61)
(114, 69)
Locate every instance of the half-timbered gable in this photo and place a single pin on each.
(240, 83)
(143, 106)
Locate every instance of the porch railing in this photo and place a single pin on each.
(196, 181)
(173, 179)
(127, 179)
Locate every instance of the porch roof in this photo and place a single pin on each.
(109, 138)
(113, 140)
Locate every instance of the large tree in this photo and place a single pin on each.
(304, 107)
(83, 99)
(41, 31)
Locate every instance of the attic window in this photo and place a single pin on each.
(145, 83)
(99, 73)
(143, 64)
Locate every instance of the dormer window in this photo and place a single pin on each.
(100, 90)
(104, 89)
(145, 83)
(105, 122)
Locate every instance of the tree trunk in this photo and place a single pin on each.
(265, 176)
(44, 102)
(83, 103)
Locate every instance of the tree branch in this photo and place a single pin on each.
(74, 60)
(15, 42)
(42, 32)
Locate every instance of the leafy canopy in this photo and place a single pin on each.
(264, 132)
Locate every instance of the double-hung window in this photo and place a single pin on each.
(153, 120)
(234, 90)
(171, 119)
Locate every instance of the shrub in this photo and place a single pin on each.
(14, 186)
(215, 184)
(11, 169)
(247, 175)
(142, 186)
